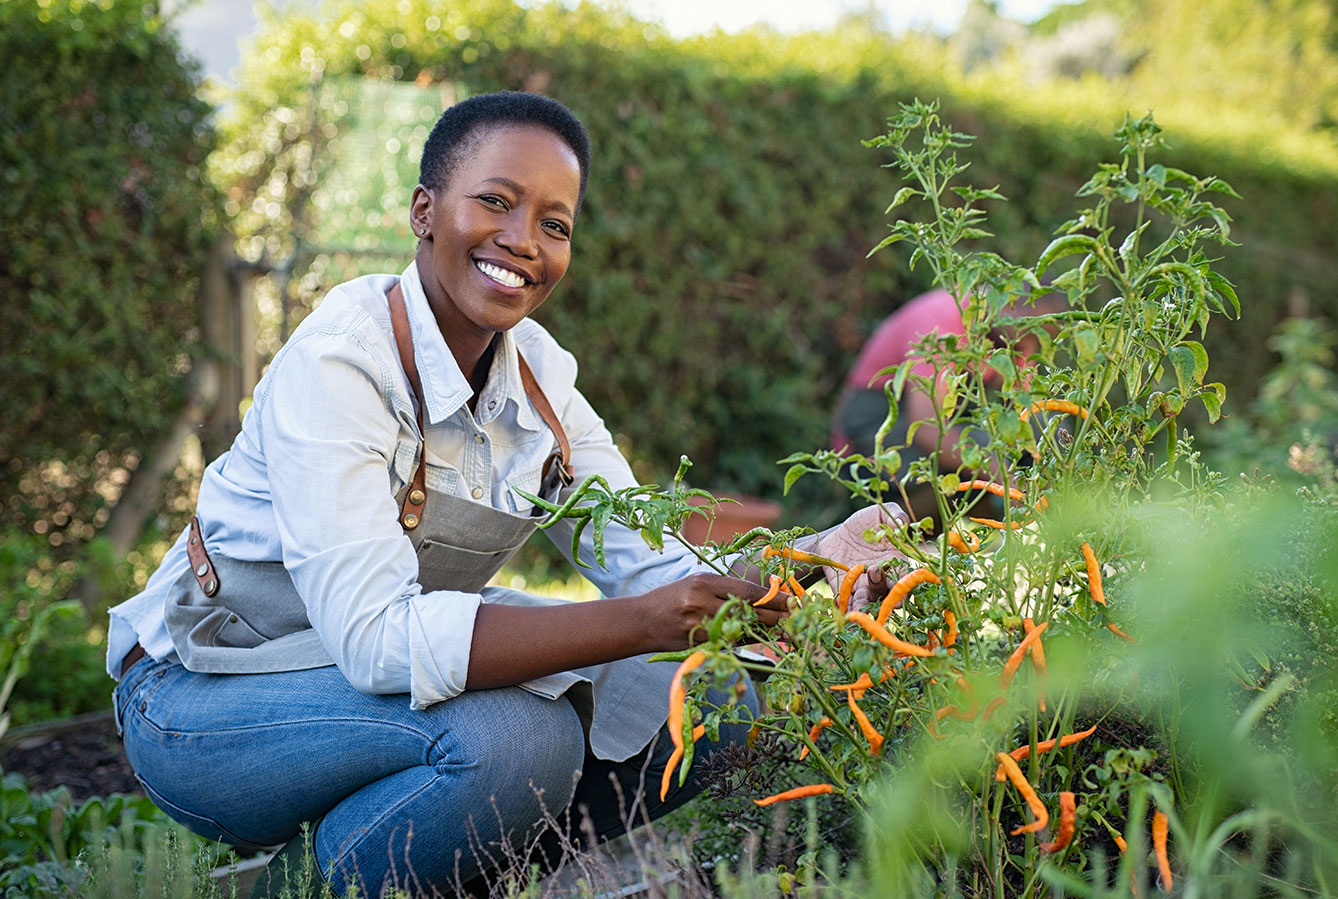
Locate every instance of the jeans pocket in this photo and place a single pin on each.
(199, 825)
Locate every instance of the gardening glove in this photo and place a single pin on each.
(846, 543)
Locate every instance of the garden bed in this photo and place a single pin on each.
(82, 754)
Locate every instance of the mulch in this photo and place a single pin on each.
(84, 755)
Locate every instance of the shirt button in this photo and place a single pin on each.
(492, 404)
(478, 493)
(478, 438)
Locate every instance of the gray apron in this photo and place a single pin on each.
(228, 616)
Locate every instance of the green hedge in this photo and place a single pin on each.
(103, 139)
(720, 287)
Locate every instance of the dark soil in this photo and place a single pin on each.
(87, 759)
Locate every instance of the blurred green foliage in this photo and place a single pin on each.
(720, 287)
(105, 226)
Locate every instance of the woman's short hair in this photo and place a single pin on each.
(453, 137)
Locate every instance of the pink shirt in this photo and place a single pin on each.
(891, 343)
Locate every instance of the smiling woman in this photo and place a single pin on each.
(323, 639)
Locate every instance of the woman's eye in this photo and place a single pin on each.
(493, 200)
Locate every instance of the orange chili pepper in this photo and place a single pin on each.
(1093, 574)
(964, 545)
(902, 588)
(796, 793)
(996, 489)
(999, 525)
(1053, 406)
(677, 697)
(865, 725)
(1068, 811)
(674, 758)
(951, 618)
(848, 586)
(991, 707)
(771, 593)
(1119, 841)
(862, 683)
(881, 634)
(1045, 746)
(1028, 793)
(1121, 634)
(1010, 667)
(794, 585)
(798, 555)
(813, 732)
(1038, 659)
(955, 711)
(1160, 829)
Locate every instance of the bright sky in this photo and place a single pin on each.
(684, 17)
(211, 29)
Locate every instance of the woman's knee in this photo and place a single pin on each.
(512, 738)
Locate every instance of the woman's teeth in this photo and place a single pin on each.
(500, 275)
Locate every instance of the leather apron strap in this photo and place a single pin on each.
(557, 467)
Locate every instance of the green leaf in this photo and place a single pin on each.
(884, 243)
(902, 196)
(1213, 405)
(795, 473)
(1200, 360)
(1182, 362)
(1222, 288)
(1086, 342)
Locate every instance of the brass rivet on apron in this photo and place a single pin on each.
(478, 493)
(201, 570)
(410, 521)
(210, 587)
(232, 619)
(417, 497)
(194, 540)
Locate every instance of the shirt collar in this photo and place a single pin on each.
(446, 389)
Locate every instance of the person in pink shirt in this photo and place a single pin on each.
(862, 405)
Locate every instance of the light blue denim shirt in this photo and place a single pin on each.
(331, 435)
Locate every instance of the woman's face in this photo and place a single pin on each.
(496, 239)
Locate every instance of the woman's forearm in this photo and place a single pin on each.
(513, 644)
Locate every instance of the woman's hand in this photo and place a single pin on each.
(681, 609)
(846, 543)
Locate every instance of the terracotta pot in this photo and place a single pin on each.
(732, 518)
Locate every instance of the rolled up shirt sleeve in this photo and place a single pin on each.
(329, 442)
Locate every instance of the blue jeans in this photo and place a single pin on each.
(400, 796)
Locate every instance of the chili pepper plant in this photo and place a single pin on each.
(1016, 687)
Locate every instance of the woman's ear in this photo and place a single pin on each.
(420, 212)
